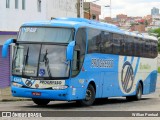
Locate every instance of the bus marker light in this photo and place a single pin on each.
(83, 69)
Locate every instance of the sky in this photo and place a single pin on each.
(128, 7)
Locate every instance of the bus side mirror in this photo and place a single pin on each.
(69, 51)
(5, 46)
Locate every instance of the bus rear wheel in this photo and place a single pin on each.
(138, 95)
(40, 102)
(89, 98)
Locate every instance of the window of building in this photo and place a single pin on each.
(23, 4)
(39, 5)
(7, 3)
(16, 4)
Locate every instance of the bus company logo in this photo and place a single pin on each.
(28, 83)
(127, 77)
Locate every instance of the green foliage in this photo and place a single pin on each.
(156, 32)
(158, 69)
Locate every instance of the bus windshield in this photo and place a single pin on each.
(40, 60)
(46, 34)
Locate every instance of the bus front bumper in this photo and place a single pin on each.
(40, 93)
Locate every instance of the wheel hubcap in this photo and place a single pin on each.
(88, 95)
(139, 93)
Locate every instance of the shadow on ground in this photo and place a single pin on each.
(73, 104)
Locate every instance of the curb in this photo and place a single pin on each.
(14, 100)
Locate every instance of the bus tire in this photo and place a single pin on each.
(89, 98)
(138, 95)
(40, 102)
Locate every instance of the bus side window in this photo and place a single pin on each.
(122, 47)
(154, 49)
(94, 40)
(79, 51)
(147, 49)
(116, 43)
(129, 46)
(136, 46)
(106, 43)
(76, 62)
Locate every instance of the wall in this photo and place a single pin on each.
(11, 18)
(61, 8)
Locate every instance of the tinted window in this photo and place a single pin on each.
(106, 43)
(116, 43)
(94, 40)
(79, 51)
(100, 41)
(147, 49)
(128, 45)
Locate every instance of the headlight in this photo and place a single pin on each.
(16, 84)
(59, 87)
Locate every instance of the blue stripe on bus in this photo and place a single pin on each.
(132, 60)
(138, 60)
(125, 58)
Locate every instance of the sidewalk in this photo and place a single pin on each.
(5, 95)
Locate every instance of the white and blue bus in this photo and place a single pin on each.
(75, 59)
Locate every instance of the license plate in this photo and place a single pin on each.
(36, 93)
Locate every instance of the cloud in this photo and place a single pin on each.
(128, 7)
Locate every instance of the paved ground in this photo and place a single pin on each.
(148, 103)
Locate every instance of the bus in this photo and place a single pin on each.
(75, 59)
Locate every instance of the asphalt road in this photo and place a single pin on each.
(149, 102)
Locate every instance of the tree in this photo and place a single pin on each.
(156, 32)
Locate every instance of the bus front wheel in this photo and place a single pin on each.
(89, 97)
(40, 101)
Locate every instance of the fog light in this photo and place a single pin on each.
(16, 84)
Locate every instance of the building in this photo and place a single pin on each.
(13, 13)
(91, 10)
(121, 17)
(148, 19)
(156, 20)
(154, 11)
(108, 19)
(139, 27)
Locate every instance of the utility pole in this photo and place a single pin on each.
(81, 9)
(110, 10)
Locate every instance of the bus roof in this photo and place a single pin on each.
(82, 22)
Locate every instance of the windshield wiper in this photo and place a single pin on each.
(26, 57)
(46, 60)
(25, 61)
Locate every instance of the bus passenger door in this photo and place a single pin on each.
(107, 84)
